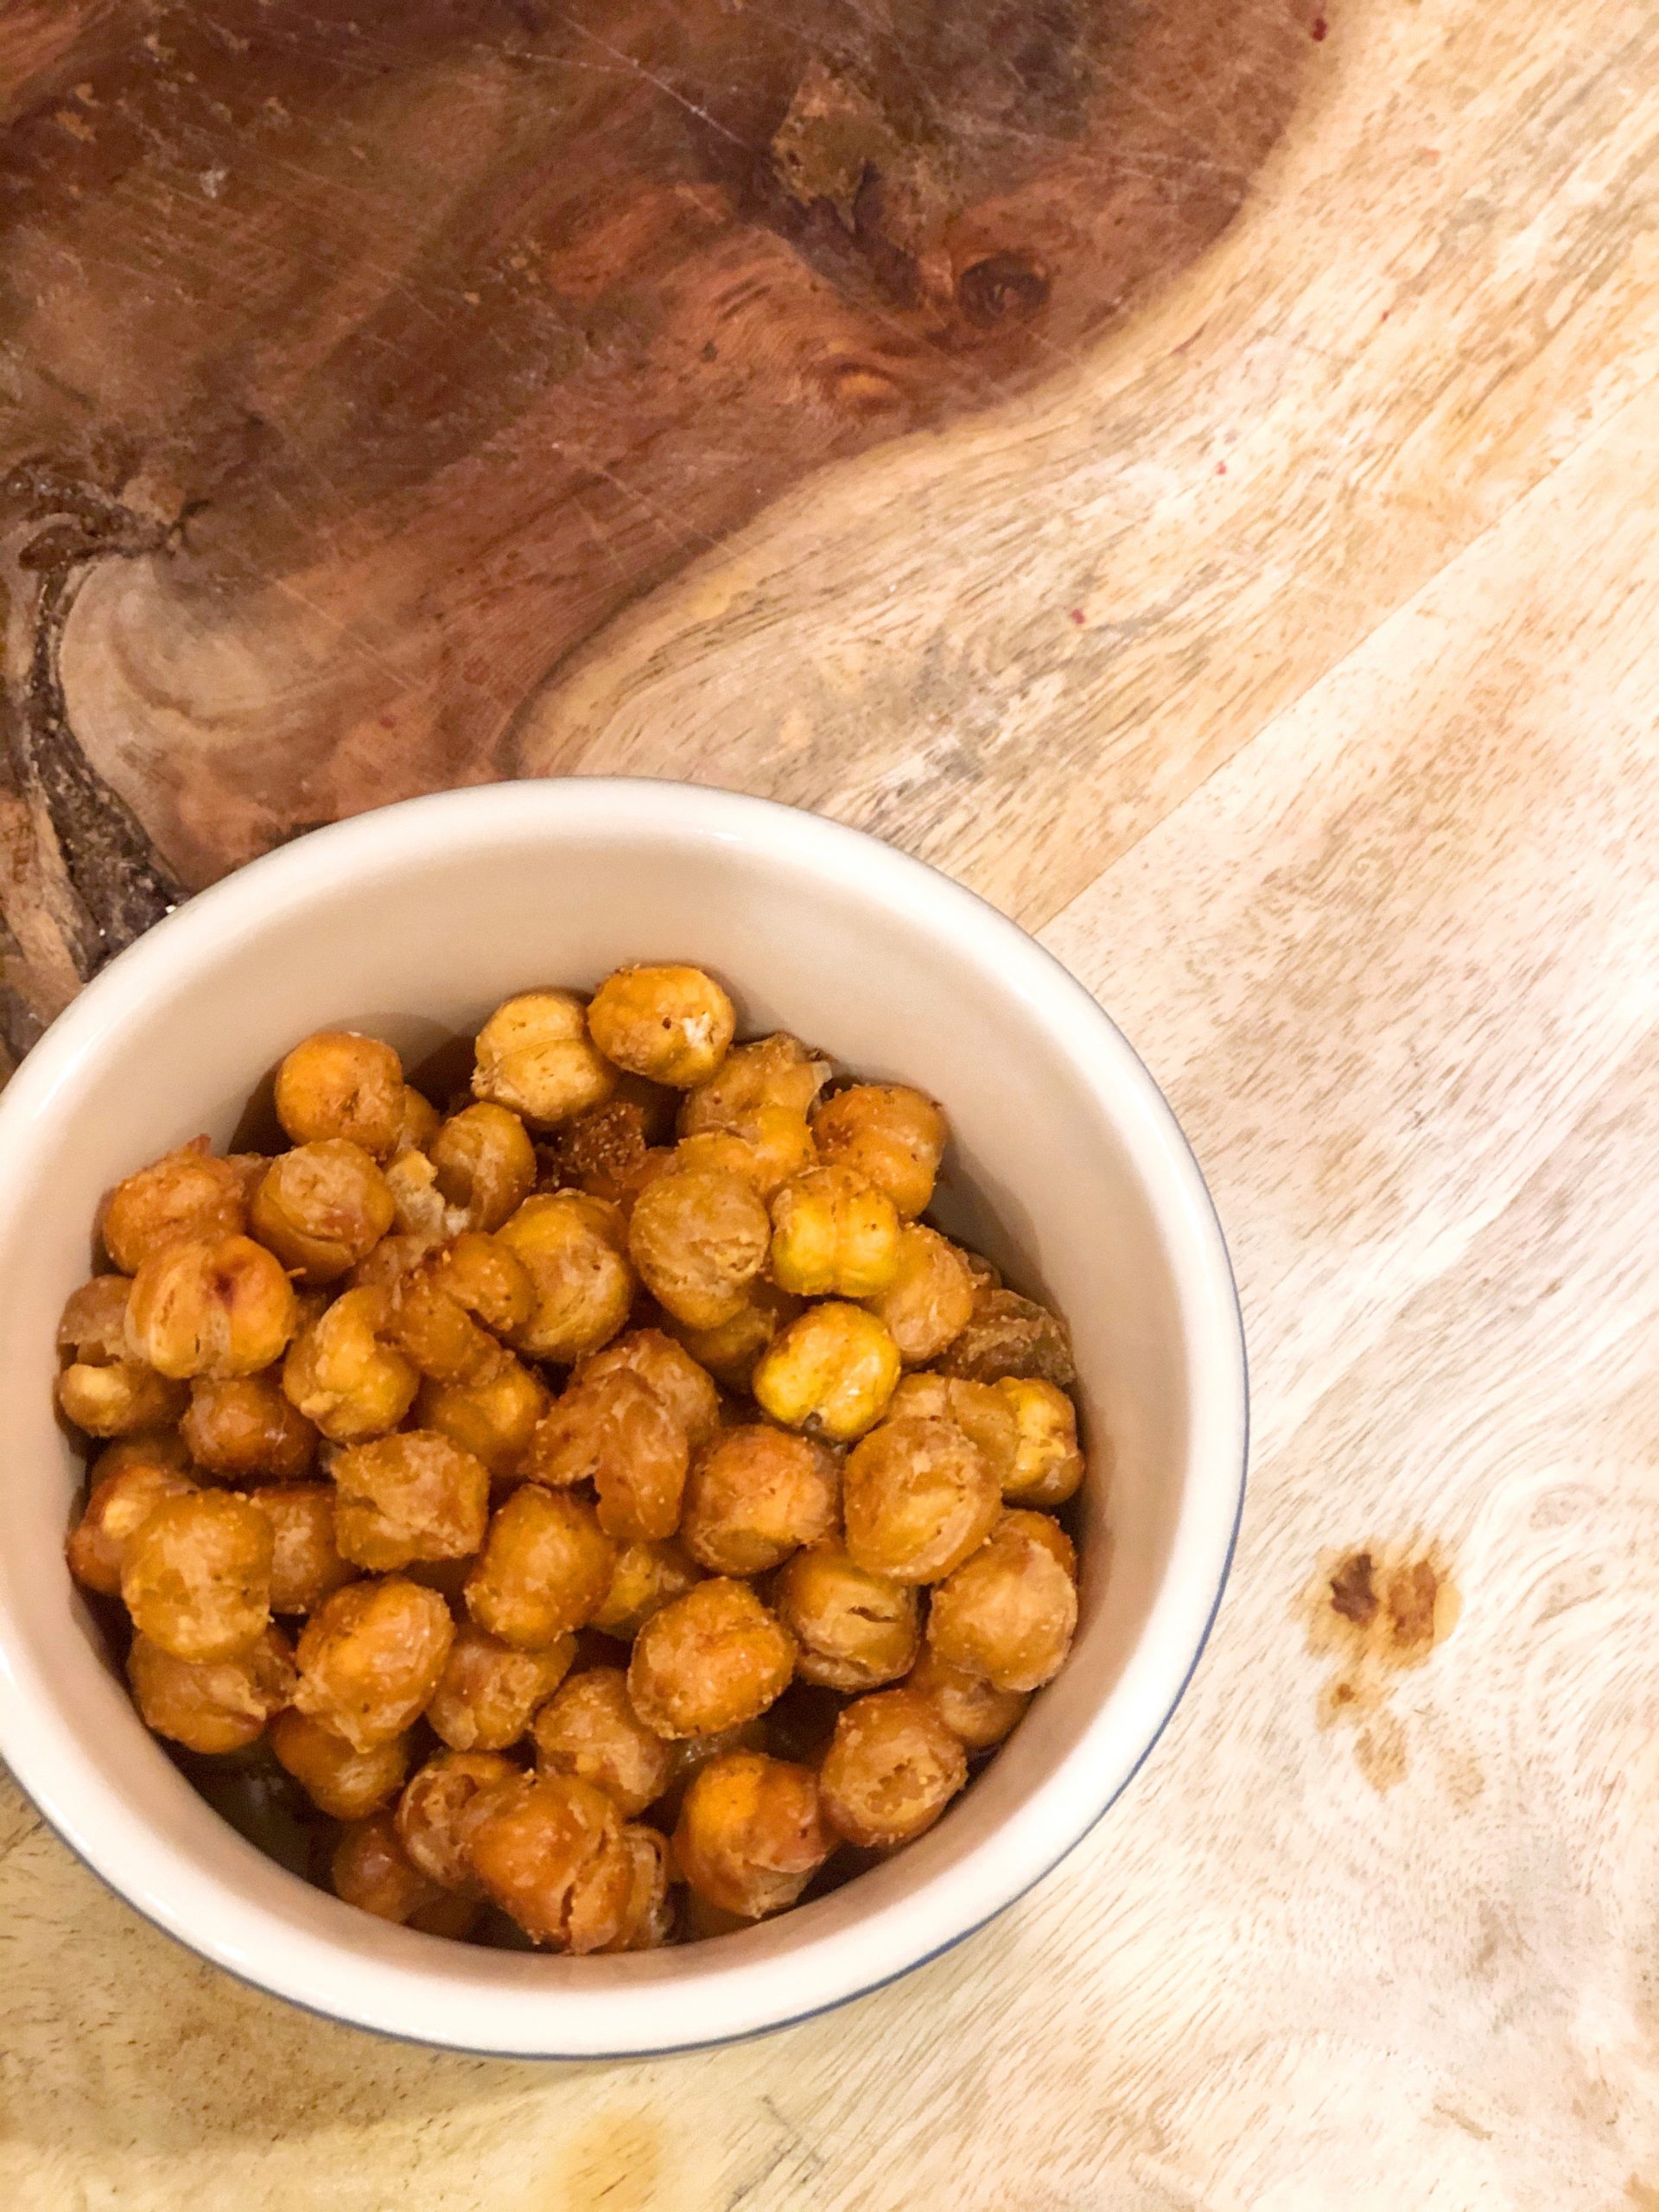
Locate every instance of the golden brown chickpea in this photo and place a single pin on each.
(919, 1496)
(243, 1429)
(93, 1323)
(833, 1234)
(698, 1241)
(648, 1918)
(978, 1714)
(535, 1056)
(732, 1351)
(342, 1377)
(371, 1656)
(549, 1851)
(485, 1163)
(749, 1838)
(104, 1390)
(217, 1309)
(489, 1691)
(493, 1420)
(336, 1083)
(122, 1499)
(442, 1804)
(373, 1872)
(891, 1767)
(755, 1495)
(606, 1153)
(776, 1074)
(589, 1727)
(544, 1570)
(185, 1194)
(892, 1135)
(306, 1566)
(979, 1410)
(1010, 1335)
(576, 1250)
(708, 1660)
(1048, 1465)
(855, 1630)
(414, 1495)
(321, 1207)
(773, 1146)
(211, 1705)
(683, 1387)
(418, 1124)
(1008, 1614)
(671, 1024)
(615, 1430)
(832, 1370)
(929, 1301)
(644, 1578)
(418, 1207)
(196, 1575)
(383, 1269)
(345, 1784)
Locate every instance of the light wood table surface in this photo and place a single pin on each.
(1290, 663)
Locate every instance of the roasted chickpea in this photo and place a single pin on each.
(485, 1163)
(929, 1301)
(185, 1194)
(1048, 1465)
(1010, 1335)
(979, 1410)
(122, 1499)
(683, 1387)
(698, 1240)
(444, 1802)
(855, 1630)
(615, 1430)
(103, 1390)
(383, 1269)
(435, 1316)
(671, 1024)
(589, 1727)
(749, 1838)
(493, 1420)
(371, 1656)
(196, 1575)
(418, 1124)
(709, 1660)
(832, 1370)
(755, 1495)
(550, 1852)
(894, 1135)
(891, 1767)
(342, 1377)
(544, 1570)
(306, 1566)
(775, 1074)
(575, 1251)
(833, 1234)
(771, 1148)
(919, 1496)
(323, 1207)
(978, 1714)
(347, 1784)
(217, 1308)
(243, 1429)
(211, 1705)
(648, 1917)
(1008, 1614)
(419, 1209)
(732, 1351)
(644, 1578)
(373, 1872)
(489, 1691)
(535, 1056)
(336, 1083)
(414, 1495)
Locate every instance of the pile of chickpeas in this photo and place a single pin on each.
(606, 1509)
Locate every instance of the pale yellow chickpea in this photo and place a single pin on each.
(337, 1084)
(749, 1837)
(218, 1308)
(643, 1579)
(891, 1767)
(930, 1297)
(757, 1493)
(1048, 1465)
(321, 1207)
(347, 1784)
(671, 1024)
(196, 1575)
(856, 1630)
(536, 1058)
(551, 1853)
(589, 1727)
(574, 1249)
(341, 1375)
(185, 1194)
(124, 1495)
(919, 1496)
(612, 1430)
(978, 1408)
(698, 1239)
(545, 1569)
(483, 1163)
(371, 1656)
(978, 1714)
(493, 1420)
(243, 1429)
(731, 1350)
(442, 1803)
(103, 1389)
(833, 1233)
(832, 1370)
(489, 1691)
(685, 1388)
(1009, 1613)
(414, 1495)
(419, 1123)
(648, 1917)
(306, 1566)
(373, 1872)
(709, 1660)
(212, 1705)
(895, 1135)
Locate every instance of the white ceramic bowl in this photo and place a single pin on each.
(412, 923)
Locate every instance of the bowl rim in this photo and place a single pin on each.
(87, 1810)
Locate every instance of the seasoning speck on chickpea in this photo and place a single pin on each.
(670, 1025)
(535, 1056)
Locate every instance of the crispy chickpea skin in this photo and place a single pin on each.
(589, 1728)
(749, 1838)
(102, 1390)
(321, 1208)
(534, 1056)
(892, 1135)
(485, 1163)
(196, 1575)
(442, 1803)
(891, 1767)
(855, 1630)
(418, 1124)
(919, 1496)
(698, 1240)
(683, 1387)
(612, 1430)
(342, 1377)
(929, 1302)
(545, 1569)
(414, 1495)
(550, 1852)
(373, 1872)
(1048, 1465)
(211, 1705)
(671, 1024)
(979, 1410)
(218, 1309)
(732, 1351)
(1010, 1335)
(1008, 1614)
(243, 1429)
(644, 1578)
(776, 1073)
(976, 1711)
(122, 1499)
(347, 1784)
(488, 1692)
(371, 1656)
(648, 1917)
(336, 1083)
(493, 1420)
(575, 1251)
(444, 1312)
(833, 1233)
(185, 1194)
(708, 1661)
(832, 1370)
(755, 1495)
(306, 1566)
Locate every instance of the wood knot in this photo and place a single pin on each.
(1002, 288)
